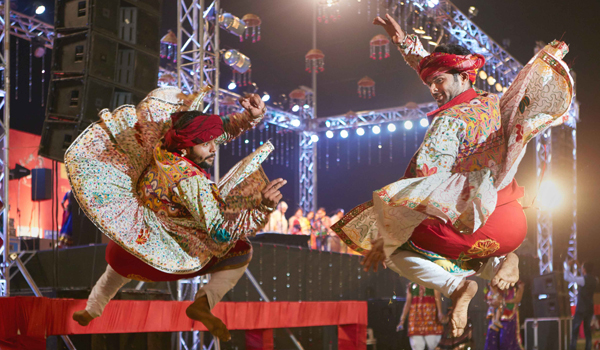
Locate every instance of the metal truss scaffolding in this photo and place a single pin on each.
(4, 142)
(543, 158)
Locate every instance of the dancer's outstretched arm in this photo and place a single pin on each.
(409, 45)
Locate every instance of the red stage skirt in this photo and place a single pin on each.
(503, 232)
(129, 266)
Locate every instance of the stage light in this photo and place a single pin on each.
(419, 30)
(306, 106)
(38, 46)
(266, 97)
(237, 61)
(434, 43)
(426, 37)
(314, 138)
(473, 11)
(246, 141)
(327, 123)
(549, 196)
(498, 87)
(376, 129)
(504, 89)
(40, 9)
(482, 75)
(391, 127)
(231, 85)
(296, 123)
(432, 3)
(344, 134)
(295, 108)
(424, 122)
(491, 80)
(329, 134)
(379, 146)
(408, 125)
(360, 131)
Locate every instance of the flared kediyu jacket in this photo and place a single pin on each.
(157, 205)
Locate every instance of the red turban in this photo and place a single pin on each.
(439, 62)
(203, 128)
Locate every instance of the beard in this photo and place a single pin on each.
(204, 163)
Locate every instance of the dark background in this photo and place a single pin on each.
(278, 67)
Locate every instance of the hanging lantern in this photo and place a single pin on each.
(232, 24)
(380, 44)
(240, 64)
(297, 99)
(168, 46)
(366, 87)
(328, 10)
(167, 78)
(314, 61)
(252, 24)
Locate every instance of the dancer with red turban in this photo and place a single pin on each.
(455, 211)
(141, 175)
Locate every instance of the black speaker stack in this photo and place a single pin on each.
(550, 296)
(106, 54)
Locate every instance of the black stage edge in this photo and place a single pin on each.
(286, 273)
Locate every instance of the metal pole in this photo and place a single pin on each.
(6, 170)
(179, 298)
(263, 295)
(216, 47)
(314, 114)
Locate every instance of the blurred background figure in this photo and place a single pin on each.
(503, 314)
(584, 312)
(295, 222)
(423, 307)
(321, 225)
(335, 243)
(277, 221)
(66, 229)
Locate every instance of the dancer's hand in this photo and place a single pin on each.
(391, 27)
(375, 256)
(271, 195)
(253, 104)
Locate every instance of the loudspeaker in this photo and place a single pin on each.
(551, 305)
(106, 54)
(56, 138)
(79, 99)
(549, 283)
(76, 15)
(41, 184)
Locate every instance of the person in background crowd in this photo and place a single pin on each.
(277, 222)
(504, 333)
(305, 224)
(321, 225)
(585, 302)
(335, 242)
(295, 226)
(423, 307)
(66, 229)
(311, 220)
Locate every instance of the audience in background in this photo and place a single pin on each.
(316, 225)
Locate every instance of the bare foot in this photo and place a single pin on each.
(200, 311)
(508, 274)
(460, 300)
(82, 317)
